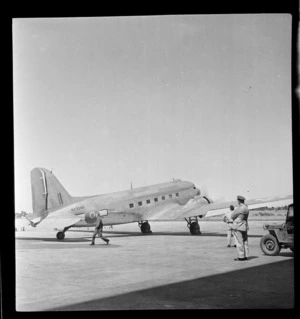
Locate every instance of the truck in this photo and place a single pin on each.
(279, 236)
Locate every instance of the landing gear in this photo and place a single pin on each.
(145, 227)
(192, 224)
(60, 235)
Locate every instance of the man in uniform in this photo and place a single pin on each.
(227, 219)
(240, 228)
(98, 230)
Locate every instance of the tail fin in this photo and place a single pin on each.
(47, 192)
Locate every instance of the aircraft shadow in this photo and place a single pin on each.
(124, 234)
(269, 286)
(128, 233)
(65, 240)
(154, 233)
(138, 233)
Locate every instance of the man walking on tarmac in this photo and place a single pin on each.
(240, 228)
(98, 230)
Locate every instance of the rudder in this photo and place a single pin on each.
(47, 192)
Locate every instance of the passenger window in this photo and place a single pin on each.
(130, 205)
(170, 195)
(140, 203)
(163, 197)
(148, 201)
(177, 194)
(155, 199)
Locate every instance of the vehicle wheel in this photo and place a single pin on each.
(60, 235)
(195, 228)
(269, 245)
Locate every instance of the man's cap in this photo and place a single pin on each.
(241, 198)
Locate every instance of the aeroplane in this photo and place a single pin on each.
(54, 207)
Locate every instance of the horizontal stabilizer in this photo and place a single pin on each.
(59, 220)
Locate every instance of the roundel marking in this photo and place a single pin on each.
(92, 214)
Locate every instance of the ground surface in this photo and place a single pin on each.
(169, 269)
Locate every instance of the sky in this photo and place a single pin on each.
(106, 101)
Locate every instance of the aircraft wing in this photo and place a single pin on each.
(200, 207)
(196, 207)
(58, 220)
(168, 212)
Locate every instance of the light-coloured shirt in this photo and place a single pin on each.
(228, 216)
(240, 217)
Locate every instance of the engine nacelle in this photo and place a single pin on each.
(91, 217)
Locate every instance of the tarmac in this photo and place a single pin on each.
(168, 269)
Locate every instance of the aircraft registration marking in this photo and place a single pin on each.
(77, 208)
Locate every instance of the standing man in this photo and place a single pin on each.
(98, 230)
(227, 219)
(240, 228)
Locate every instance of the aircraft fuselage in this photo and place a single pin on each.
(135, 204)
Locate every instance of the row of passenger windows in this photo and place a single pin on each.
(148, 201)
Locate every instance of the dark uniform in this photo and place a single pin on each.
(98, 230)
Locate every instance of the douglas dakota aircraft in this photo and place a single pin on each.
(175, 200)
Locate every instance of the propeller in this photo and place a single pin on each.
(203, 190)
(220, 199)
(204, 193)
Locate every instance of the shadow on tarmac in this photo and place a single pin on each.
(252, 257)
(268, 286)
(286, 254)
(65, 240)
(136, 233)
(203, 234)
(67, 243)
(127, 234)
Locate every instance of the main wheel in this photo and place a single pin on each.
(145, 228)
(269, 245)
(195, 228)
(60, 235)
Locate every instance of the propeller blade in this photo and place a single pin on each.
(203, 191)
(219, 199)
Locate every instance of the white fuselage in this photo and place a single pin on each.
(144, 203)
